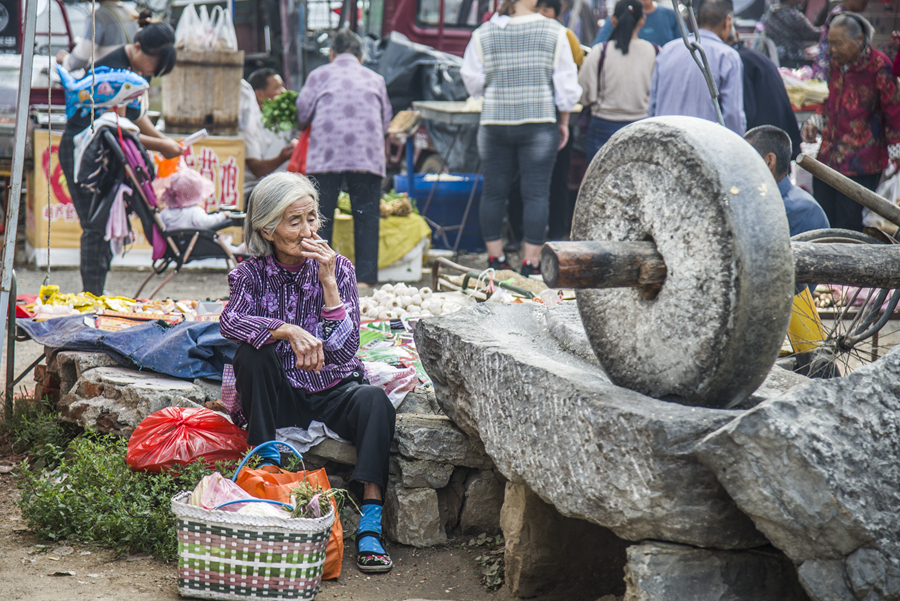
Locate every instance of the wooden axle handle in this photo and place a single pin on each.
(602, 264)
(852, 190)
(639, 265)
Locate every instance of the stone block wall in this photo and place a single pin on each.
(441, 481)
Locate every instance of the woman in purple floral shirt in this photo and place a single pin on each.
(347, 108)
(294, 309)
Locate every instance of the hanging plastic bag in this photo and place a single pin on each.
(189, 32)
(889, 189)
(224, 38)
(179, 436)
(297, 164)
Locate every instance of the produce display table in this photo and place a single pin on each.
(454, 114)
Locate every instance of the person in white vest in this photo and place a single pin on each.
(522, 64)
(266, 151)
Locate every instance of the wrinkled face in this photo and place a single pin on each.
(274, 87)
(143, 64)
(844, 49)
(299, 221)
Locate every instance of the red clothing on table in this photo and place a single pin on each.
(861, 116)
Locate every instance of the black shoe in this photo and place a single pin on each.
(498, 265)
(528, 269)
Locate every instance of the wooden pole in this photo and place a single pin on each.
(863, 265)
(602, 264)
(587, 264)
(848, 187)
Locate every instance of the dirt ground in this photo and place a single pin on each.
(49, 571)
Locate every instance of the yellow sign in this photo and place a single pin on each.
(219, 159)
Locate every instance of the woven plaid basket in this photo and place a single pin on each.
(224, 555)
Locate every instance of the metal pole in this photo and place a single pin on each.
(18, 164)
(286, 45)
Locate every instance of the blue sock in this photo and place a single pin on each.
(370, 521)
(270, 453)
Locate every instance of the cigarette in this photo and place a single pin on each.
(318, 241)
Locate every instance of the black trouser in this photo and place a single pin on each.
(561, 208)
(842, 212)
(357, 412)
(96, 254)
(365, 199)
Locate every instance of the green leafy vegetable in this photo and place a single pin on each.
(280, 113)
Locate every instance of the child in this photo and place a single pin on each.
(185, 200)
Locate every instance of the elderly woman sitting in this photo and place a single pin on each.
(294, 309)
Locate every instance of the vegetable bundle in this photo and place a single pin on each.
(280, 113)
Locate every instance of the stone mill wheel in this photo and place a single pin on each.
(710, 334)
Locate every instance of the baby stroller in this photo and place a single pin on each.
(128, 162)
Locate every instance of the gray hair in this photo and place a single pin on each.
(269, 200)
(855, 25)
(347, 41)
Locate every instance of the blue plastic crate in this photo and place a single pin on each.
(447, 207)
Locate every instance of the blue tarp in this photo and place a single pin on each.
(192, 349)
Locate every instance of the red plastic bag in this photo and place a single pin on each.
(297, 164)
(179, 436)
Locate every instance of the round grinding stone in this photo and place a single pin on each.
(707, 200)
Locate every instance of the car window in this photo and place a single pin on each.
(457, 13)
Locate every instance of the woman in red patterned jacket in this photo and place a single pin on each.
(860, 120)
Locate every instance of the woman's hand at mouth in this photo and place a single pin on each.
(317, 249)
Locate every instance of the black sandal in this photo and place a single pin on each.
(370, 562)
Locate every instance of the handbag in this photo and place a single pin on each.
(275, 484)
(584, 118)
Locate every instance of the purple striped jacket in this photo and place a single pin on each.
(264, 296)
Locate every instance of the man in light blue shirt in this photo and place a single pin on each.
(660, 28)
(774, 145)
(678, 86)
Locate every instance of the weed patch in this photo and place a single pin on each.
(35, 429)
(490, 559)
(93, 496)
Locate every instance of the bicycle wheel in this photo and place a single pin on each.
(835, 329)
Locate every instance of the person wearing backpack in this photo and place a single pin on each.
(615, 77)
